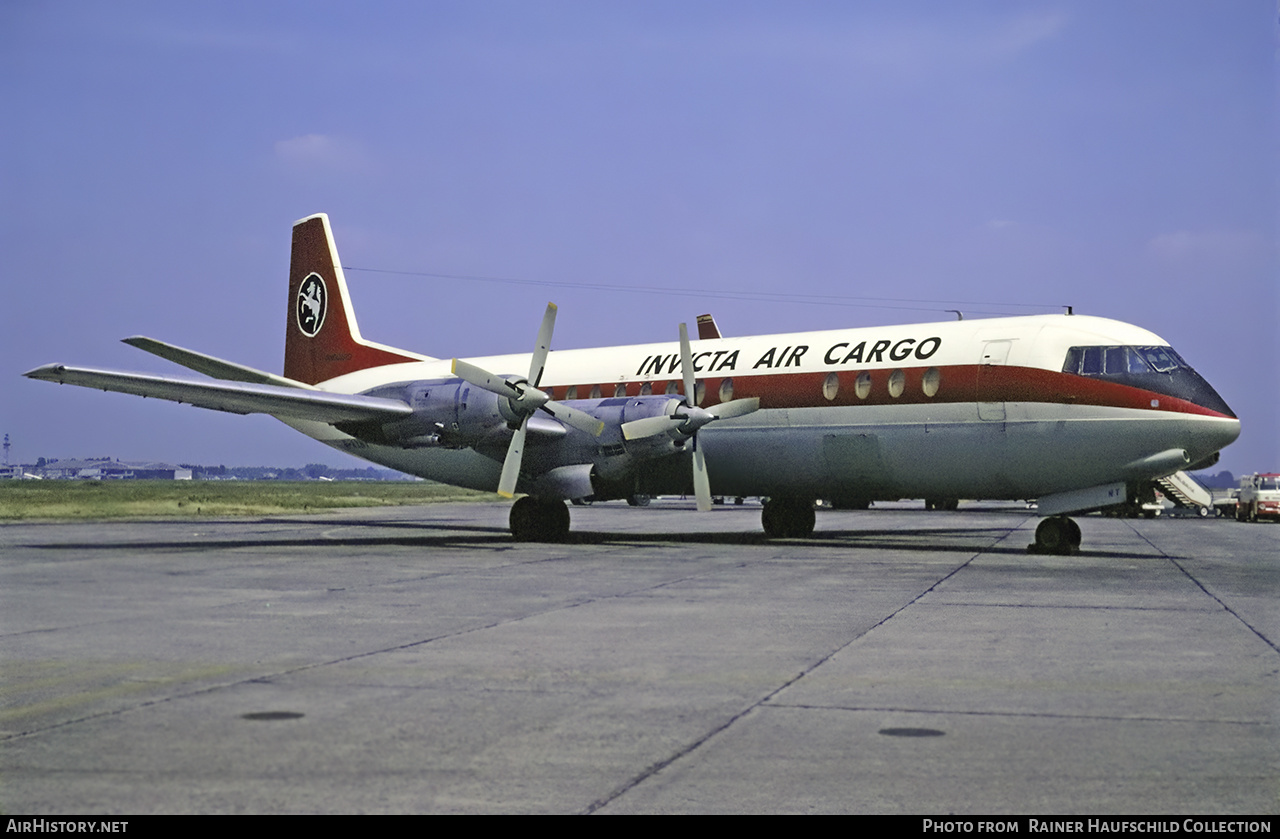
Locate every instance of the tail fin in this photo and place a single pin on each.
(322, 340)
(707, 328)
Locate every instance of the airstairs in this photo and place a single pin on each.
(1185, 491)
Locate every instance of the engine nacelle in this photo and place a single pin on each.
(616, 455)
(450, 413)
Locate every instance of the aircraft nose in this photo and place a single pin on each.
(1215, 435)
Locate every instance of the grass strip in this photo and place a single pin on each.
(62, 500)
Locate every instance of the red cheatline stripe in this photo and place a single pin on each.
(958, 383)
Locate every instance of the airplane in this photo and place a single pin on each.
(1070, 410)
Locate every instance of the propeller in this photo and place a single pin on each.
(686, 418)
(525, 400)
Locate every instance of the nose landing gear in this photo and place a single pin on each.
(1056, 535)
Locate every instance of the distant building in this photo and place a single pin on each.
(110, 470)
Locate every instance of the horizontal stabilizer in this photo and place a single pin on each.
(209, 365)
(232, 397)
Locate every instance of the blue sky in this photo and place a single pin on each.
(1013, 156)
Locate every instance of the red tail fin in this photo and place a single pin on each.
(322, 340)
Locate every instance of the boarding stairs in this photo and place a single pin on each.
(1185, 491)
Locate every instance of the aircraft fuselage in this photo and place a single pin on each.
(966, 409)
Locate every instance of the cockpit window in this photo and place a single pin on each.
(1154, 369)
(1114, 361)
(1162, 359)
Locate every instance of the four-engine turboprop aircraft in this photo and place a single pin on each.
(1071, 410)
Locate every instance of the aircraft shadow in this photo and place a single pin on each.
(428, 535)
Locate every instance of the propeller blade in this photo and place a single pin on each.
(482, 378)
(701, 483)
(580, 420)
(650, 427)
(686, 419)
(511, 465)
(686, 367)
(525, 397)
(538, 362)
(736, 408)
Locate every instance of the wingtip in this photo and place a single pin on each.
(45, 372)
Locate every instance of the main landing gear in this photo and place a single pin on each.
(788, 518)
(539, 520)
(1056, 535)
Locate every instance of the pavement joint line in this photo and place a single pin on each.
(1016, 714)
(1176, 564)
(1066, 606)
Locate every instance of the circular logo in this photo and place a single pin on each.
(311, 305)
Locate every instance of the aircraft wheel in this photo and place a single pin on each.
(638, 500)
(788, 518)
(1073, 534)
(539, 520)
(1057, 535)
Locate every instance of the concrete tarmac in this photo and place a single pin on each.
(419, 660)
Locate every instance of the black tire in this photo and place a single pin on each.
(1073, 534)
(1057, 535)
(539, 520)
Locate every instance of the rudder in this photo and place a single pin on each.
(322, 340)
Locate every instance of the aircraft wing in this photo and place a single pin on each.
(209, 365)
(232, 397)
